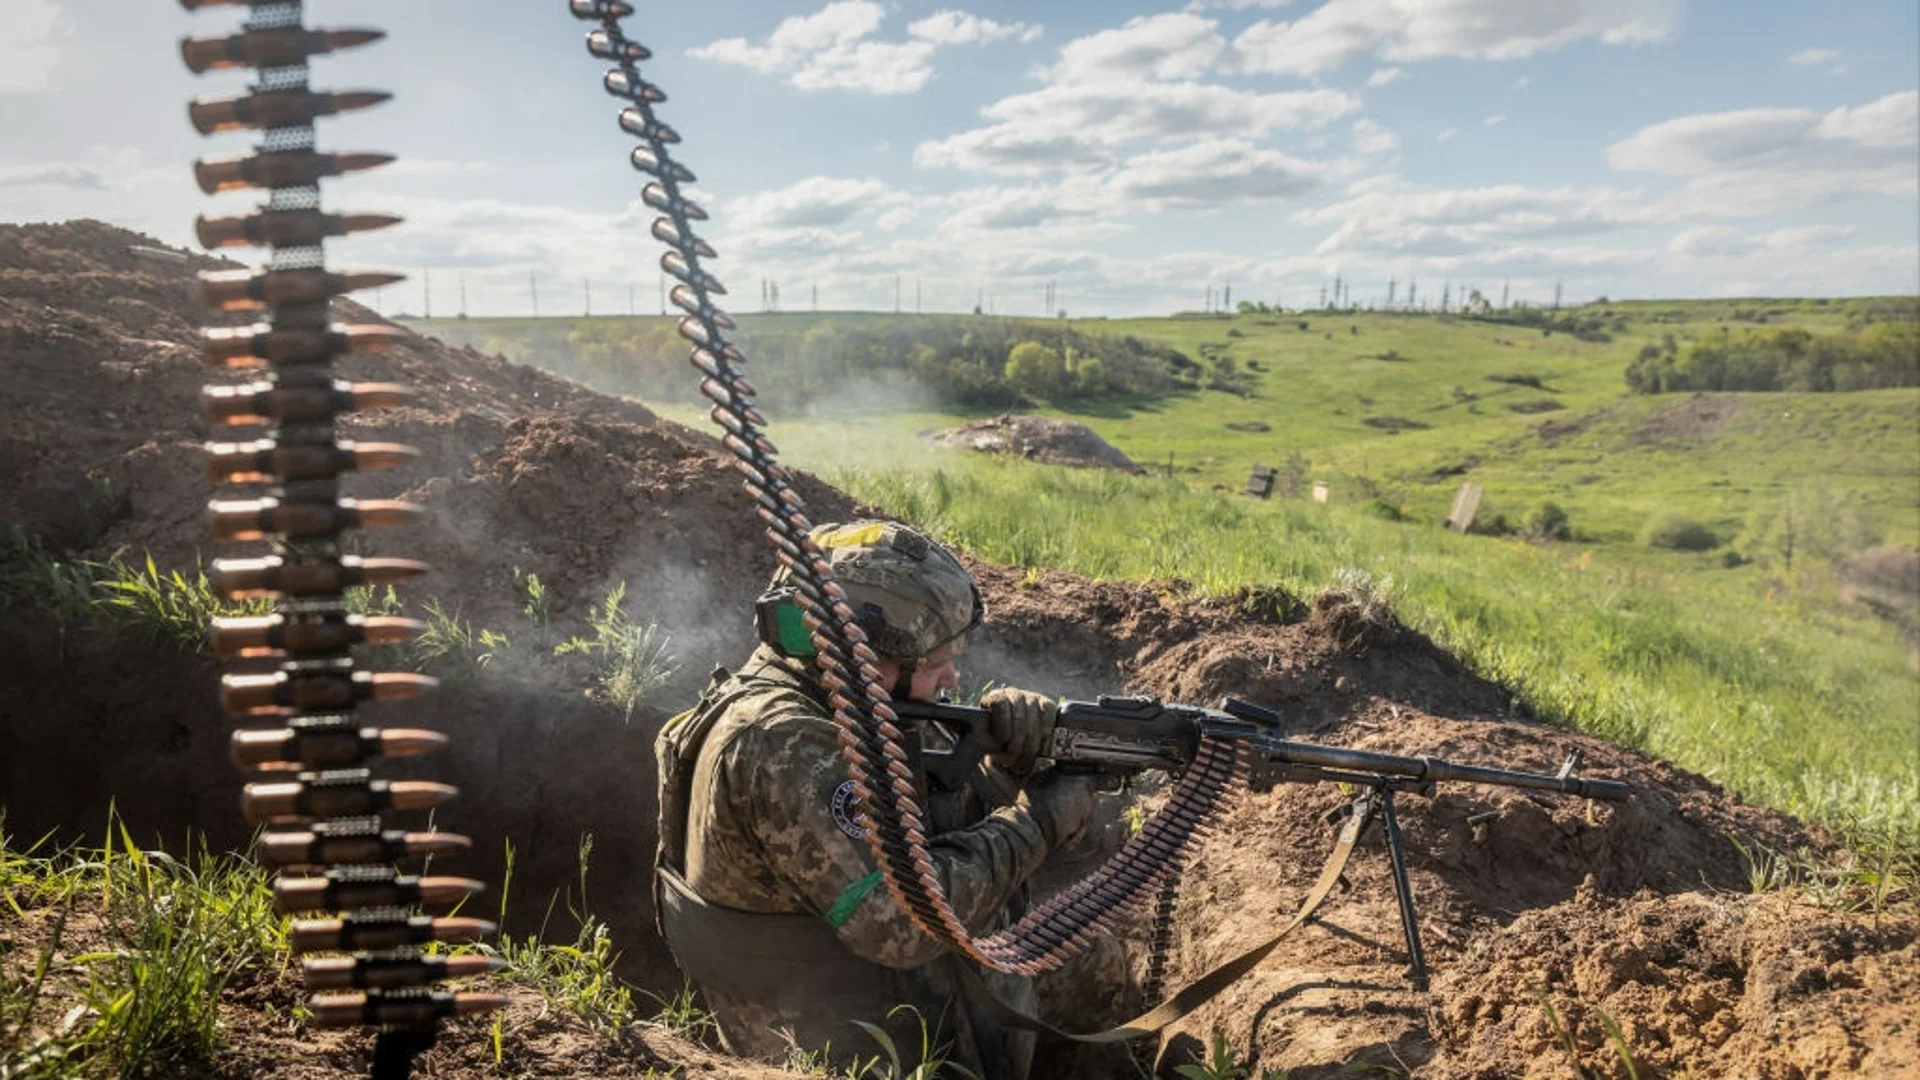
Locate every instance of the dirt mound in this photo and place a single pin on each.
(1713, 984)
(1054, 442)
(527, 474)
(1698, 418)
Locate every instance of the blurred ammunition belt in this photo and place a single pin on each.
(870, 737)
(312, 788)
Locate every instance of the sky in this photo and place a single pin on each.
(1134, 158)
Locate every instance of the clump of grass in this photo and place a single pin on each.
(1876, 874)
(172, 606)
(172, 933)
(630, 661)
(451, 643)
(1678, 532)
(931, 1062)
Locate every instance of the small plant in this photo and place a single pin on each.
(450, 642)
(169, 607)
(1677, 532)
(1221, 1063)
(1548, 522)
(932, 1063)
(1371, 596)
(1383, 509)
(533, 598)
(630, 661)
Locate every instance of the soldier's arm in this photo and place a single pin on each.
(786, 776)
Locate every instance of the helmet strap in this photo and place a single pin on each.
(903, 683)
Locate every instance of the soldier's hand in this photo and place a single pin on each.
(1060, 804)
(1021, 721)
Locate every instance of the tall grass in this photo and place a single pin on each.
(1787, 700)
(132, 987)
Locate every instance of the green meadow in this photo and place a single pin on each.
(1771, 678)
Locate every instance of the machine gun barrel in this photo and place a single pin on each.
(1283, 759)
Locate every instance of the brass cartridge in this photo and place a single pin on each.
(384, 930)
(329, 747)
(276, 108)
(284, 692)
(261, 519)
(391, 972)
(273, 575)
(274, 47)
(269, 402)
(339, 890)
(410, 1010)
(267, 460)
(282, 168)
(249, 290)
(284, 228)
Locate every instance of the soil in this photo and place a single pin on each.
(1636, 916)
(1052, 442)
(1699, 418)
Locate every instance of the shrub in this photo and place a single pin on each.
(1678, 532)
(1034, 369)
(1548, 522)
(1383, 510)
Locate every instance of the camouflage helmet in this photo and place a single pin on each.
(910, 594)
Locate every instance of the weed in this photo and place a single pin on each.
(630, 661)
(172, 933)
(451, 643)
(169, 607)
(932, 1061)
(533, 598)
(577, 977)
(682, 1015)
(1221, 1063)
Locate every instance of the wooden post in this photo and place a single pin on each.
(1466, 503)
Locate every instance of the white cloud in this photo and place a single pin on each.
(1080, 124)
(817, 201)
(1445, 133)
(1711, 241)
(1464, 220)
(960, 28)
(895, 218)
(30, 45)
(1752, 162)
(1233, 5)
(1405, 30)
(1386, 75)
(1215, 173)
(1173, 45)
(59, 174)
(1372, 140)
(1495, 120)
(1523, 82)
(1813, 57)
(830, 49)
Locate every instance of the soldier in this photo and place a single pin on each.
(767, 892)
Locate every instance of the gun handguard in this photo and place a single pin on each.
(1131, 734)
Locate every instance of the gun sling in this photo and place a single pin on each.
(1206, 987)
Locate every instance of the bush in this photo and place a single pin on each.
(1677, 532)
(1383, 510)
(1548, 522)
(1036, 370)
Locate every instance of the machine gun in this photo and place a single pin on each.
(1127, 735)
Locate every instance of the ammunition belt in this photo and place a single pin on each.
(870, 737)
(311, 788)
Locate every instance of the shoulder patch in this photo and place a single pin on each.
(846, 810)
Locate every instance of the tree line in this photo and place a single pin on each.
(945, 362)
(1883, 355)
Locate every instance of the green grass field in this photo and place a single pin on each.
(1762, 677)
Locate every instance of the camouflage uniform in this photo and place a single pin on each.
(767, 830)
